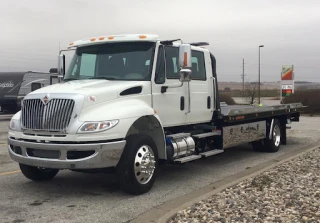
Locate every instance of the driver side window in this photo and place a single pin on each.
(172, 63)
(167, 64)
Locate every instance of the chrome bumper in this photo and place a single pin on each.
(104, 154)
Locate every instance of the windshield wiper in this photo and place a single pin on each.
(106, 78)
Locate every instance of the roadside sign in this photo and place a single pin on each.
(286, 90)
(287, 81)
(287, 87)
(287, 73)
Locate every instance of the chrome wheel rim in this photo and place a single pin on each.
(276, 135)
(144, 164)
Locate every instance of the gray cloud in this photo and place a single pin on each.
(289, 29)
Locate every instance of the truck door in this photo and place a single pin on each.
(170, 104)
(201, 89)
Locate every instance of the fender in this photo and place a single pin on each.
(134, 115)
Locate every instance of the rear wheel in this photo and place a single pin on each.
(137, 167)
(37, 173)
(258, 146)
(273, 144)
(267, 144)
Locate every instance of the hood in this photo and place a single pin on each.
(96, 90)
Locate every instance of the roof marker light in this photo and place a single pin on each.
(101, 38)
(92, 39)
(70, 44)
(111, 37)
(142, 36)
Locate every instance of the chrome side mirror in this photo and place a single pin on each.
(185, 56)
(61, 64)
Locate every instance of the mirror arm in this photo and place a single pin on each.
(164, 88)
(189, 99)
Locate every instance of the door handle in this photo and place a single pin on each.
(182, 103)
(208, 102)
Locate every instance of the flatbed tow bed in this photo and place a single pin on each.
(236, 113)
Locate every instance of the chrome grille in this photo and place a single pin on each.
(54, 116)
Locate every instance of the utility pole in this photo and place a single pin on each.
(243, 74)
(259, 74)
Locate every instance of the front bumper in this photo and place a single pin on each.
(66, 156)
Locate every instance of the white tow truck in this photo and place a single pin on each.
(131, 102)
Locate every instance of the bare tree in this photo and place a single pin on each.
(250, 92)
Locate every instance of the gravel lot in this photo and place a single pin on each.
(287, 193)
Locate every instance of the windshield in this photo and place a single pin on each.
(112, 61)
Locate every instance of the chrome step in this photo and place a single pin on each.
(207, 134)
(179, 135)
(211, 152)
(187, 159)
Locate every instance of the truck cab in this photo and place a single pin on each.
(127, 103)
(148, 70)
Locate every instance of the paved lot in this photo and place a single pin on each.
(78, 197)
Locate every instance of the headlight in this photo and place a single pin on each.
(15, 125)
(91, 127)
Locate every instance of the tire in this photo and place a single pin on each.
(270, 145)
(38, 174)
(273, 145)
(259, 146)
(129, 172)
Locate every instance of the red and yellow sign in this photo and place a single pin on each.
(287, 73)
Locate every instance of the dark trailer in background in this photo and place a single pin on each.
(14, 86)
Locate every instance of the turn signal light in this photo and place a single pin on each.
(185, 59)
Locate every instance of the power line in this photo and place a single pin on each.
(24, 58)
(21, 53)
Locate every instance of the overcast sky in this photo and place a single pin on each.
(290, 30)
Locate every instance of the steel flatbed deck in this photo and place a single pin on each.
(237, 113)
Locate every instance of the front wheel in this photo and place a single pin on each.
(37, 173)
(137, 167)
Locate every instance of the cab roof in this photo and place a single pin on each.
(131, 37)
(115, 38)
